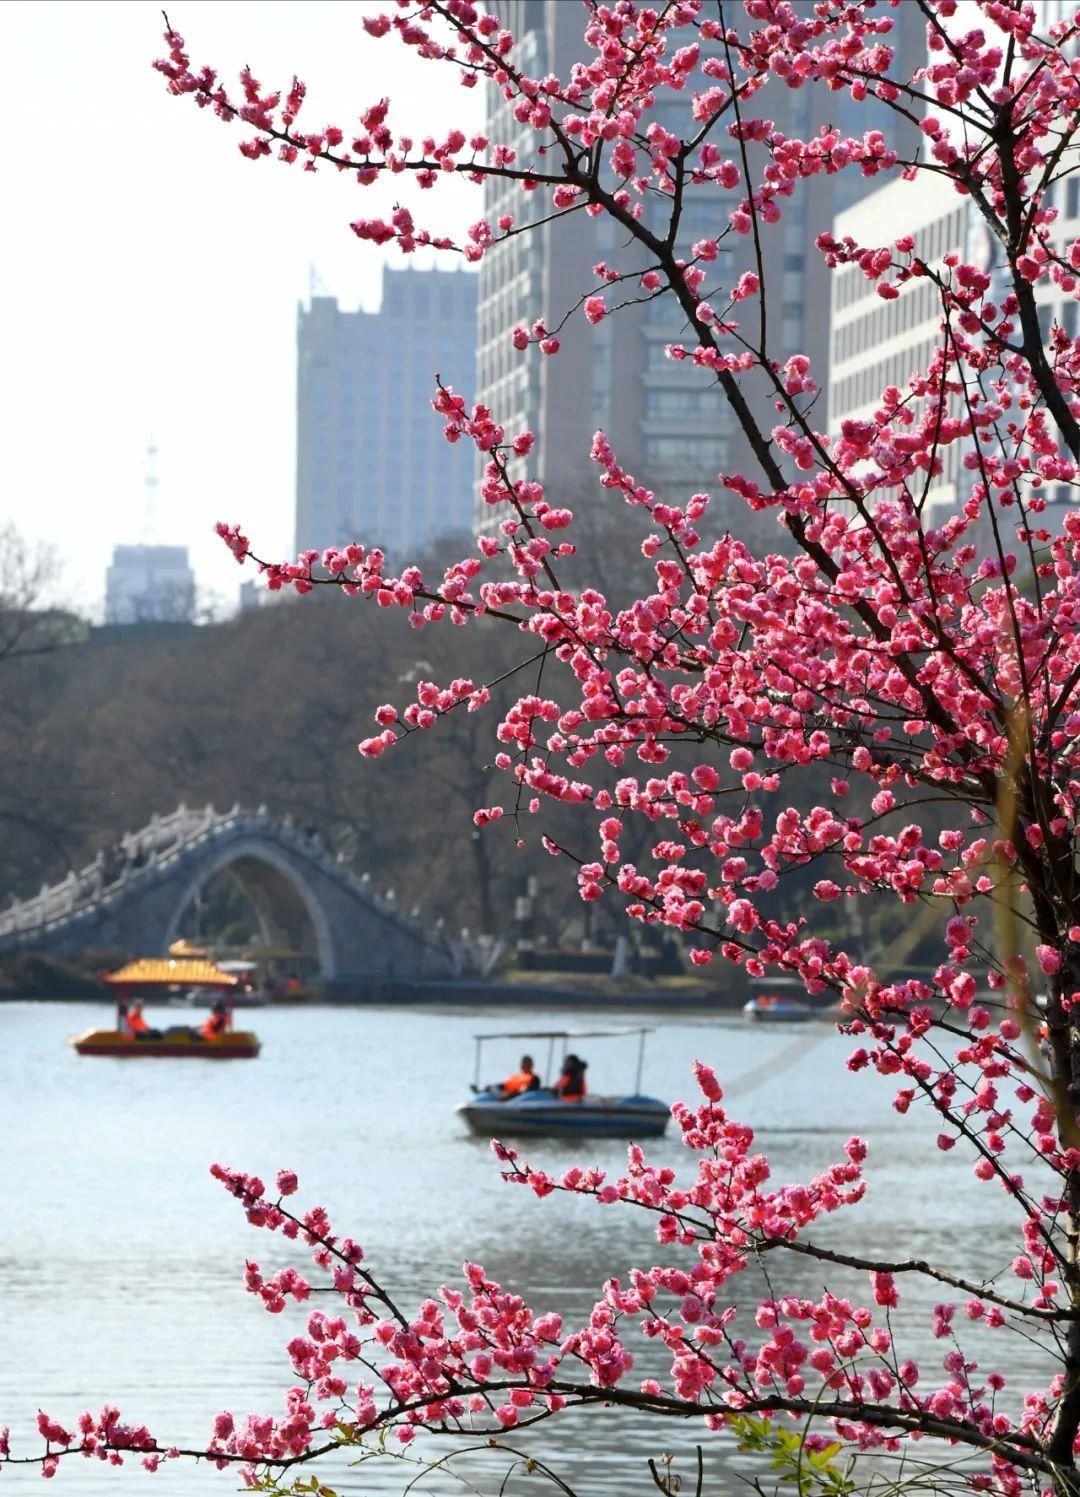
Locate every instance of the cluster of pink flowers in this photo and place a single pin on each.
(103, 1437)
(921, 673)
(479, 1359)
(900, 659)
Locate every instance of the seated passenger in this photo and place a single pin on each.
(571, 1083)
(135, 1024)
(216, 1024)
(523, 1080)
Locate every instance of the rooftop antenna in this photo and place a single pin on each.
(150, 494)
(316, 285)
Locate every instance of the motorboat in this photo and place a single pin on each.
(541, 1113)
(769, 1008)
(244, 995)
(155, 978)
(203, 997)
(291, 989)
(281, 981)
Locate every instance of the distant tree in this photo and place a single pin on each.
(137, 719)
(40, 815)
(29, 624)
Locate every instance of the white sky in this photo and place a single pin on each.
(151, 273)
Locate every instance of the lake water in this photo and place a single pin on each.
(121, 1260)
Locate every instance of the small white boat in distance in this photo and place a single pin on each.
(542, 1113)
(772, 1009)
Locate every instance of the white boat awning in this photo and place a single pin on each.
(561, 1034)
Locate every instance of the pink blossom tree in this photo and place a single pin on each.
(928, 672)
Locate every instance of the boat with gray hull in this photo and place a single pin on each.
(541, 1113)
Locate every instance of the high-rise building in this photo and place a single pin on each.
(665, 419)
(878, 343)
(1053, 12)
(149, 584)
(372, 464)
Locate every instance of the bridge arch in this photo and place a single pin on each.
(277, 891)
(134, 895)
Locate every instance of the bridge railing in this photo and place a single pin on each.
(141, 857)
(114, 867)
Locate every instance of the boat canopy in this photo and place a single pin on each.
(560, 1037)
(561, 1034)
(171, 972)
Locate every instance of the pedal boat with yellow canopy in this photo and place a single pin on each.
(143, 979)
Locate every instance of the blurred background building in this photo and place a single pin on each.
(372, 464)
(149, 584)
(877, 343)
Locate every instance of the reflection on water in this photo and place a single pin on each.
(120, 1259)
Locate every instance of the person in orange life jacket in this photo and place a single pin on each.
(135, 1024)
(215, 1025)
(523, 1080)
(571, 1083)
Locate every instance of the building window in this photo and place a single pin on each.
(698, 455)
(657, 357)
(697, 404)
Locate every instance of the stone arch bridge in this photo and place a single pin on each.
(134, 898)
